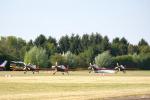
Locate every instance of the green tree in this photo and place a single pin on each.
(119, 46)
(123, 46)
(144, 61)
(29, 45)
(36, 56)
(85, 41)
(64, 44)
(95, 39)
(144, 49)
(126, 60)
(50, 48)
(75, 44)
(86, 57)
(142, 42)
(104, 59)
(132, 49)
(143, 46)
(115, 47)
(21, 48)
(57, 58)
(41, 57)
(71, 59)
(12, 46)
(40, 41)
(52, 40)
(105, 45)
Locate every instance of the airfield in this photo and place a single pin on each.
(15, 85)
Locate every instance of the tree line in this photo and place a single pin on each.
(76, 51)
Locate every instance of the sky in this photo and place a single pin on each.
(115, 18)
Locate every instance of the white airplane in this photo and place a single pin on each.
(2, 66)
(96, 69)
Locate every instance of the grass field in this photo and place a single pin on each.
(78, 85)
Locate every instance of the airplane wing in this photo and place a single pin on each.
(106, 71)
(62, 67)
(18, 62)
(33, 66)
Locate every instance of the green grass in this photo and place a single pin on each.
(77, 85)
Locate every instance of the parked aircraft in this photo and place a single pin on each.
(96, 69)
(31, 67)
(21, 66)
(17, 65)
(60, 68)
(2, 66)
(119, 68)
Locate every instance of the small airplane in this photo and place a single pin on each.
(17, 65)
(2, 66)
(96, 69)
(31, 67)
(119, 68)
(61, 68)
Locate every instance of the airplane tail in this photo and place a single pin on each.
(3, 64)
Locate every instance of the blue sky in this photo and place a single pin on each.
(114, 18)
